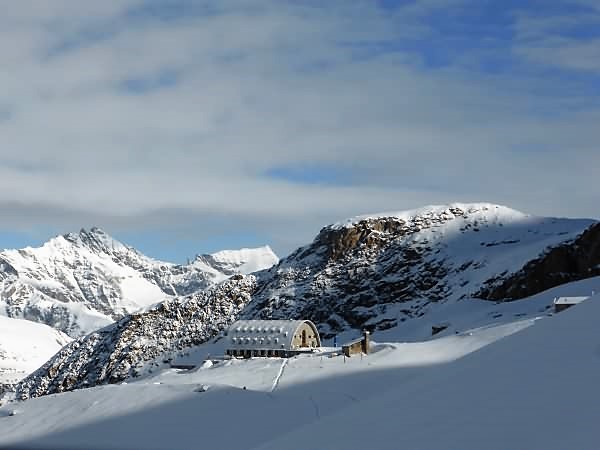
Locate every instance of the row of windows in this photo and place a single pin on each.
(249, 353)
(259, 329)
(255, 340)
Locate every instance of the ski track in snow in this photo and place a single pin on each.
(279, 375)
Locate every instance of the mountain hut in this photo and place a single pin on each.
(280, 338)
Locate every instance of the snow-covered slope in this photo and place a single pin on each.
(527, 382)
(25, 346)
(78, 283)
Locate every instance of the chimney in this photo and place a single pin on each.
(366, 344)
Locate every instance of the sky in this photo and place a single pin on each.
(189, 126)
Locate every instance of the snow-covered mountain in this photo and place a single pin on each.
(395, 272)
(81, 282)
(380, 271)
(25, 346)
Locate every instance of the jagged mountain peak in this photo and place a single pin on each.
(98, 240)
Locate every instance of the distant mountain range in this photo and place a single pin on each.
(77, 283)
(379, 272)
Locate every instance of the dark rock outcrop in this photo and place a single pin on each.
(564, 263)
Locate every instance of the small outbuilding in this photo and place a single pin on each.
(280, 338)
(562, 303)
(359, 345)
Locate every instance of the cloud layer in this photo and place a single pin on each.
(274, 118)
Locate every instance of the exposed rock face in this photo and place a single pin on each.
(81, 282)
(562, 264)
(137, 342)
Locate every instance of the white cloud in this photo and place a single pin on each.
(263, 87)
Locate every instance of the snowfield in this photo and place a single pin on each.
(509, 376)
(24, 346)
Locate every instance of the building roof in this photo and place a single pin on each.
(353, 341)
(265, 334)
(569, 300)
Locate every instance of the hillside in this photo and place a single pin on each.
(380, 271)
(495, 387)
(78, 283)
(397, 275)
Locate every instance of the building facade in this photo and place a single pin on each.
(275, 338)
(357, 346)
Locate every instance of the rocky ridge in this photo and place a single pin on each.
(140, 342)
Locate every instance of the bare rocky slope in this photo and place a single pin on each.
(373, 272)
(81, 282)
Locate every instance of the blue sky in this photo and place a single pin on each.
(184, 126)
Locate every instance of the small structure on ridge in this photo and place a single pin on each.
(359, 345)
(280, 338)
(562, 303)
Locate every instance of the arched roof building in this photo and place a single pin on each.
(271, 337)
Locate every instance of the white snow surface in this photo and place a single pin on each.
(25, 346)
(519, 378)
(246, 260)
